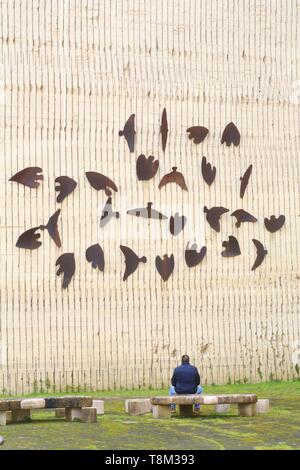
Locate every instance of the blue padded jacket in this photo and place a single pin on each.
(185, 379)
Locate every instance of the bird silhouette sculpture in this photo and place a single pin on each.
(146, 168)
(273, 224)
(245, 180)
(129, 133)
(232, 247)
(66, 263)
(101, 182)
(208, 172)
(65, 186)
(173, 177)
(197, 133)
(147, 212)
(165, 266)
(261, 252)
(29, 239)
(213, 216)
(243, 216)
(194, 257)
(29, 176)
(95, 255)
(231, 135)
(52, 228)
(131, 261)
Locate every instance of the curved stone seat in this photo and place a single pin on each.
(161, 405)
(76, 407)
(205, 399)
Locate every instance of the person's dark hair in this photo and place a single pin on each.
(185, 359)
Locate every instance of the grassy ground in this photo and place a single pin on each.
(279, 429)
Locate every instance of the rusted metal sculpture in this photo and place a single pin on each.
(147, 212)
(165, 266)
(213, 216)
(245, 180)
(95, 255)
(131, 261)
(208, 172)
(146, 168)
(65, 186)
(177, 223)
(29, 239)
(28, 177)
(52, 228)
(108, 213)
(232, 247)
(231, 135)
(101, 182)
(243, 216)
(129, 133)
(194, 257)
(164, 129)
(273, 224)
(261, 252)
(66, 263)
(173, 177)
(197, 133)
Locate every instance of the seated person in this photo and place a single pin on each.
(185, 381)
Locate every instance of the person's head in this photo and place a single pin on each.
(185, 359)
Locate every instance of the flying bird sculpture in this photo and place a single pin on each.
(131, 261)
(173, 177)
(29, 176)
(165, 266)
(129, 133)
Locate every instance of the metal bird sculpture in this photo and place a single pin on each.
(29, 239)
(231, 135)
(232, 247)
(193, 257)
(243, 216)
(208, 172)
(147, 212)
(165, 266)
(213, 216)
(129, 133)
(52, 228)
(164, 129)
(197, 133)
(95, 255)
(28, 177)
(131, 261)
(173, 177)
(146, 168)
(66, 263)
(245, 180)
(101, 182)
(65, 186)
(261, 252)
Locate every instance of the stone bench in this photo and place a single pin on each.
(138, 406)
(98, 404)
(76, 408)
(161, 405)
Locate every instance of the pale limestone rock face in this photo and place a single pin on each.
(66, 89)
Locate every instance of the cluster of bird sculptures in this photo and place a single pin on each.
(146, 169)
